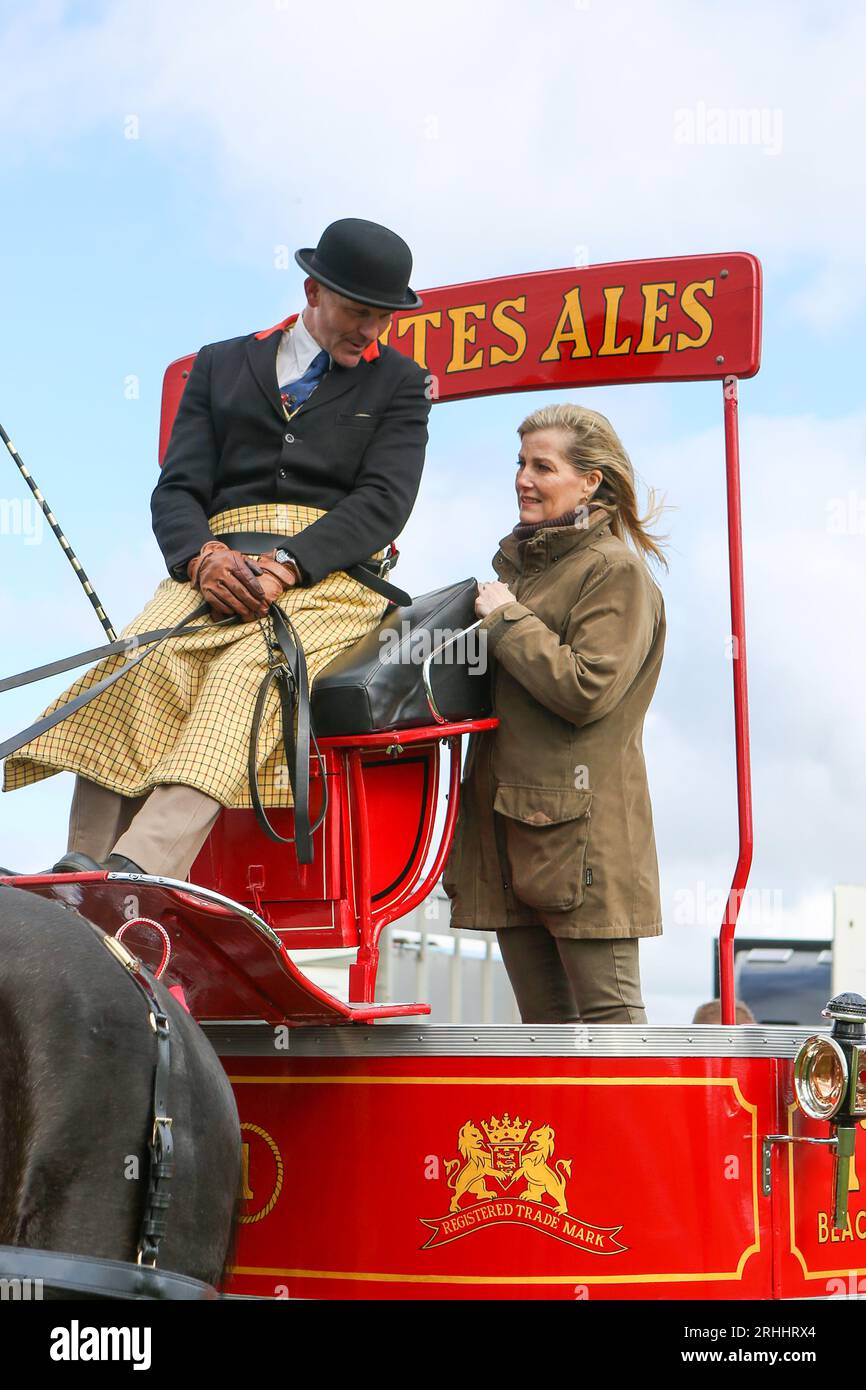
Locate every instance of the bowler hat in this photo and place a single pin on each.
(362, 261)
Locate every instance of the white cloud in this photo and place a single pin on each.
(495, 141)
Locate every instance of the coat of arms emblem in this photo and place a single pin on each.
(506, 1172)
(504, 1154)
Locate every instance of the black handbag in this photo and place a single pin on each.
(423, 664)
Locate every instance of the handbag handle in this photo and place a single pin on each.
(428, 662)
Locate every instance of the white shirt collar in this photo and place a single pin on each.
(306, 347)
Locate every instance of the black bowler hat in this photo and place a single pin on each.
(364, 262)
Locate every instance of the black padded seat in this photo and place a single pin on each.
(378, 683)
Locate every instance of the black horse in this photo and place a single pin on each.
(77, 1058)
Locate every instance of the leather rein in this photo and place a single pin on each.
(287, 668)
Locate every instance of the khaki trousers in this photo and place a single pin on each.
(162, 831)
(558, 979)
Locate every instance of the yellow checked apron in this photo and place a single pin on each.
(184, 714)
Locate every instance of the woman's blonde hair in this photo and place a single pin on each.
(592, 442)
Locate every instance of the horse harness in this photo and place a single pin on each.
(67, 1274)
(161, 1144)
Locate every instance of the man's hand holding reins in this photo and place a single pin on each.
(228, 581)
(275, 578)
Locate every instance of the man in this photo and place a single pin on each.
(311, 431)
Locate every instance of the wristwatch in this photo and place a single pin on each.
(284, 557)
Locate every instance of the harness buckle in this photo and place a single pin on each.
(126, 958)
(387, 563)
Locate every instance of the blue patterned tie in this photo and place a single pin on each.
(295, 393)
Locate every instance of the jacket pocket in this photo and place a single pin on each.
(546, 838)
(361, 420)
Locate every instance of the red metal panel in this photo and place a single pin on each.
(815, 1260)
(504, 1177)
(681, 318)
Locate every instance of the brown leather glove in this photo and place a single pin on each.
(276, 578)
(193, 566)
(228, 581)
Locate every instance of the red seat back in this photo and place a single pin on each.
(173, 384)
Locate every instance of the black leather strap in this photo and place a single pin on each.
(364, 575)
(65, 1275)
(365, 571)
(123, 644)
(50, 720)
(290, 675)
(161, 1143)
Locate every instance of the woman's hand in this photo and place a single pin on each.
(492, 595)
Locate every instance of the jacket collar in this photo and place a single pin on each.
(369, 354)
(262, 357)
(552, 542)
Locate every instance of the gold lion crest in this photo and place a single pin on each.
(506, 1174)
(503, 1153)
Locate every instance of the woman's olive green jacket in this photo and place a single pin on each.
(555, 824)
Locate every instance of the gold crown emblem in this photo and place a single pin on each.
(506, 1130)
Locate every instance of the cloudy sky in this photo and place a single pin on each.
(156, 161)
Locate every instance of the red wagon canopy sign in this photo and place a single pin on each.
(682, 318)
(689, 318)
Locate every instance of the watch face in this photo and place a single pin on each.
(282, 557)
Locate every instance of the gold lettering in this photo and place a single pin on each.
(511, 328)
(654, 313)
(570, 328)
(610, 347)
(860, 1225)
(823, 1228)
(417, 324)
(465, 333)
(697, 312)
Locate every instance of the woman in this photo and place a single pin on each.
(554, 847)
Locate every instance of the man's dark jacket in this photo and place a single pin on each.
(355, 449)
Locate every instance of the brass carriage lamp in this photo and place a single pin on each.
(830, 1084)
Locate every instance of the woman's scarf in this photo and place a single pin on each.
(524, 529)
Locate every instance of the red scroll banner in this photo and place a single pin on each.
(688, 318)
(599, 1240)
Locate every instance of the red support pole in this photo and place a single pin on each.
(741, 703)
(362, 975)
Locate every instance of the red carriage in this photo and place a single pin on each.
(412, 1161)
